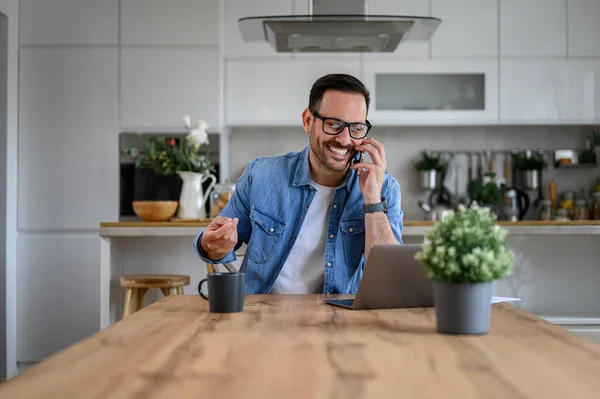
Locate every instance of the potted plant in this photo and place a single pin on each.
(465, 253)
(431, 169)
(485, 192)
(531, 164)
(173, 158)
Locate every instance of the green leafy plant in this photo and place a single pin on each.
(168, 155)
(430, 162)
(589, 154)
(466, 246)
(487, 193)
(535, 161)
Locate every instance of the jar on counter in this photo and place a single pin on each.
(595, 209)
(581, 211)
(562, 215)
(545, 209)
(220, 196)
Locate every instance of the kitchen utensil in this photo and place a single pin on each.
(507, 177)
(516, 204)
(154, 211)
(433, 213)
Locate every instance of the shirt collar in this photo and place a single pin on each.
(302, 175)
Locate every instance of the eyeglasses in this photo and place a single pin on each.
(334, 126)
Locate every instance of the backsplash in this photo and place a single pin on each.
(404, 144)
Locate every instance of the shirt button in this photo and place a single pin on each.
(271, 229)
(328, 263)
(350, 229)
(335, 205)
(310, 187)
(327, 293)
(331, 236)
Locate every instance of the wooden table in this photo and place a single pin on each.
(297, 347)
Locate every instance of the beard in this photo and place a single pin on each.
(326, 157)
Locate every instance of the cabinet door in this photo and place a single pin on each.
(68, 129)
(235, 47)
(433, 92)
(584, 29)
(533, 28)
(69, 22)
(58, 292)
(275, 92)
(160, 85)
(412, 49)
(178, 22)
(468, 28)
(550, 91)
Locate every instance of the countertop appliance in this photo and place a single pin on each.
(337, 26)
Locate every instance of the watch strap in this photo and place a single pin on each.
(378, 207)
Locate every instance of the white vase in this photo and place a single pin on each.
(192, 199)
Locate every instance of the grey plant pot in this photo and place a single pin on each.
(463, 308)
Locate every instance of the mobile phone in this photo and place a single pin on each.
(358, 157)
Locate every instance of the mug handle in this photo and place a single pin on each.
(200, 289)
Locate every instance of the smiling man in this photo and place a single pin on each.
(310, 217)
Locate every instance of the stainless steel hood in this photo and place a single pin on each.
(337, 26)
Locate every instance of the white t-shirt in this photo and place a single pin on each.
(303, 272)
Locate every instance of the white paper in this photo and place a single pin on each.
(498, 299)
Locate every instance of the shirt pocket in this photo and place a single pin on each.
(353, 240)
(266, 234)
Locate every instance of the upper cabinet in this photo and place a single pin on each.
(164, 22)
(550, 91)
(160, 85)
(533, 28)
(275, 92)
(469, 28)
(236, 9)
(433, 91)
(69, 22)
(411, 49)
(584, 29)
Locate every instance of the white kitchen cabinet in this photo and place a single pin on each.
(69, 22)
(550, 91)
(469, 28)
(584, 29)
(235, 47)
(275, 92)
(160, 85)
(68, 147)
(58, 292)
(428, 92)
(170, 22)
(533, 28)
(411, 49)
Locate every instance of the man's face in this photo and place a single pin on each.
(335, 152)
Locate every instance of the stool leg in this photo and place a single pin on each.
(173, 291)
(165, 291)
(130, 305)
(180, 290)
(140, 297)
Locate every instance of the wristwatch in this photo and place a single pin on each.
(378, 207)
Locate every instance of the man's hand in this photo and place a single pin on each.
(371, 180)
(220, 237)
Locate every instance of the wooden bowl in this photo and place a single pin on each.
(155, 211)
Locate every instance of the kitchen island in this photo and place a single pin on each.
(295, 346)
(557, 272)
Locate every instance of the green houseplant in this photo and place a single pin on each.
(531, 166)
(465, 253)
(431, 170)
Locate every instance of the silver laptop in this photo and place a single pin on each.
(392, 279)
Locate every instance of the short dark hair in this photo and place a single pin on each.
(336, 81)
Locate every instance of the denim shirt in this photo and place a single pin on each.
(271, 199)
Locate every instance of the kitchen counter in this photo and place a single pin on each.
(295, 346)
(411, 228)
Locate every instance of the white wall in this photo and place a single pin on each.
(8, 309)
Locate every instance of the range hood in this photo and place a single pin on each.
(338, 26)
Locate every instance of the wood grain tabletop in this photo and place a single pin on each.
(297, 347)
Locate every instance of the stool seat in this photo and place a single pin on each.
(136, 287)
(155, 281)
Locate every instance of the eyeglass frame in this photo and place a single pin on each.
(344, 125)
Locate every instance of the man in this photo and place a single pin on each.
(310, 218)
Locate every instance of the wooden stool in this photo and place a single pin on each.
(138, 285)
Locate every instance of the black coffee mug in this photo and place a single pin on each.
(226, 292)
